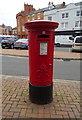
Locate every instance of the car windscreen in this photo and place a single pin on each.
(5, 40)
(78, 40)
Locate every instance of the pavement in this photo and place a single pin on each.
(57, 55)
(15, 95)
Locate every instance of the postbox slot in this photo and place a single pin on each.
(43, 36)
(43, 48)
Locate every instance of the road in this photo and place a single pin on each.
(62, 49)
(0, 45)
(18, 66)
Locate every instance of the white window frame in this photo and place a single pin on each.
(28, 18)
(50, 18)
(32, 17)
(76, 24)
(64, 25)
(65, 15)
(23, 28)
(80, 23)
(18, 28)
(79, 13)
(38, 16)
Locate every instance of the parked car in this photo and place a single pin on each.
(8, 43)
(21, 43)
(63, 40)
(77, 44)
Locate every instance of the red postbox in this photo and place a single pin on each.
(41, 48)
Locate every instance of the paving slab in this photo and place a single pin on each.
(16, 103)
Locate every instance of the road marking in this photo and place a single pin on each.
(55, 59)
(24, 57)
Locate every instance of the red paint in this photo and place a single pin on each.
(41, 66)
(23, 43)
(7, 42)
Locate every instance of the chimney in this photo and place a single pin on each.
(63, 3)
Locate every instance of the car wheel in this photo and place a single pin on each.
(27, 47)
(16, 48)
(58, 45)
(12, 46)
(3, 47)
(72, 50)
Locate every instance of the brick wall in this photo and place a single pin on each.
(22, 19)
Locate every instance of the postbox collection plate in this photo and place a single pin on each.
(43, 48)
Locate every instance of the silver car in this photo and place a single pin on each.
(21, 43)
(77, 44)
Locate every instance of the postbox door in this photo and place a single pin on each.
(41, 59)
(44, 69)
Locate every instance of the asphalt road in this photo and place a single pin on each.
(62, 49)
(0, 46)
(18, 66)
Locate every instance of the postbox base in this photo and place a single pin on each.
(41, 95)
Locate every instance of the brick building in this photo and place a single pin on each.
(22, 19)
(30, 14)
(5, 30)
(2, 29)
(14, 31)
(39, 14)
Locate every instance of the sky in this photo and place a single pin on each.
(9, 8)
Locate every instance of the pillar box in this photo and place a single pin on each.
(41, 49)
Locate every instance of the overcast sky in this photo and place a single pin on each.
(9, 8)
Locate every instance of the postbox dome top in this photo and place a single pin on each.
(41, 24)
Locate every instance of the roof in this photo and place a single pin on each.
(47, 8)
(38, 11)
(79, 3)
(43, 9)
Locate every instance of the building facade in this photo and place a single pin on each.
(22, 19)
(2, 29)
(30, 14)
(36, 15)
(5, 30)
(39, 14)
(69, 18)
(14, 31)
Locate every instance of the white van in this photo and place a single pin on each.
(63, 40)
